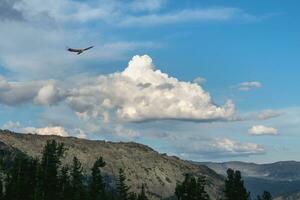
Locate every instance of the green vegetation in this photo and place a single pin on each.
(235, 189)
(234, 186)
(191, 189)
(265, 196)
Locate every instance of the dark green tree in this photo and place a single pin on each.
(234, 186)
(201, 193)
(48, 180)
(132, 196)
(1, 189)
(65, 191)
(191, 189)
(142, 195)
(122, 187)
(20, 179)
(77, 186)
(97, 186)
(265, 196)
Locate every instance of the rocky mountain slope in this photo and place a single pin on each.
(159, 172)
(282, 179)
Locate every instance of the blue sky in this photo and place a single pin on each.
(226, 89)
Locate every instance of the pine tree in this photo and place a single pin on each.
(64, 184)
(181, 190)
(1, 189)
(201, 193)
(21, 179)
(122, 187)
(78, 188)
(265, 196)
(97, 186)
(133, 196)
(48, 171)
(191, 189)
(142, 195)
(234, 186)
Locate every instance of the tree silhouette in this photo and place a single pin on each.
(77, 186)
(142, 195)
(65, 190)
(265, 196)
(191, 189)
(48, 171)
(234, 186)
(97, 186)
(122, 187)
(20, 180)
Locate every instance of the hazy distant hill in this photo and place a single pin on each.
(280, 178)
(292, 196)
(142, 164)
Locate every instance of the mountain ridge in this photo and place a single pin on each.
(159, 172)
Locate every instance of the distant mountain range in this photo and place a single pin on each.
(282, 179)
(142, 165)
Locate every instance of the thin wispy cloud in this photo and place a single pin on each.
(246, 86)
(8, 12)
(268, 114)
(200, 15)
(199, 80)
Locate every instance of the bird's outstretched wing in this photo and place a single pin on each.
(88, 48)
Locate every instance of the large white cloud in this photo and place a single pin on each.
(138, 93)
(263, 130)
(141, 93)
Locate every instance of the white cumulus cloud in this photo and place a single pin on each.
(55, 130)
(262, 130)
(49, 130)
(49, 94)
(141, 93)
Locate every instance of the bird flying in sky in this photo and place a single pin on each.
(79, 51)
